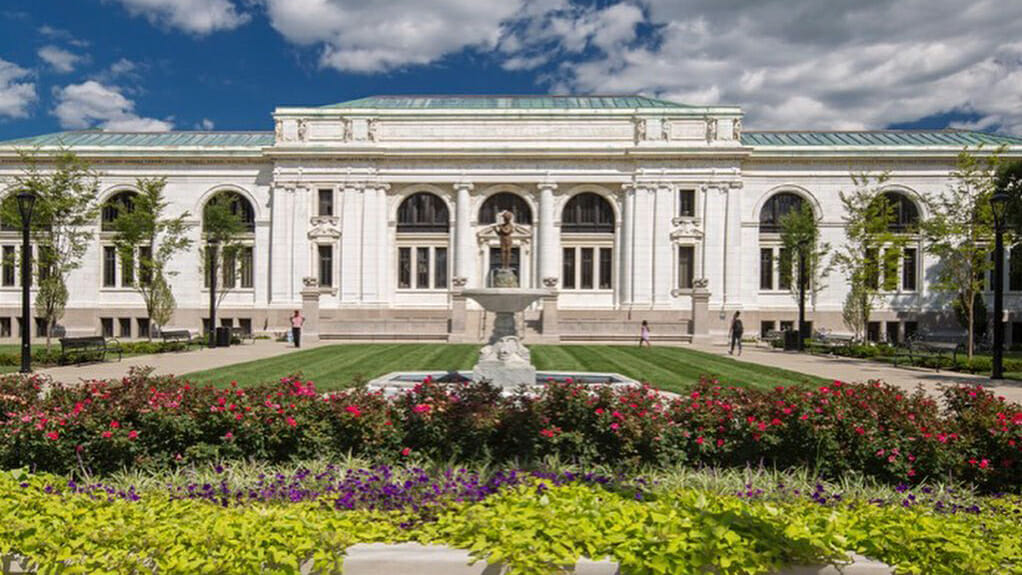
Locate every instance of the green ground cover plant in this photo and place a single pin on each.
(339, 366)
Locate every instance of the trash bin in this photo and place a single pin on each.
(223, 337)
(790, 340)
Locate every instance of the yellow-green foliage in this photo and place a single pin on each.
(531, 528)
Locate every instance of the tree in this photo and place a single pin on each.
(1009, 181)
(959, 230)
(800, 232)
(873, 245)
(62, 222)
(146, 236)
(224, 230)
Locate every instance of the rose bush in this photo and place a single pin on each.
(871, 428)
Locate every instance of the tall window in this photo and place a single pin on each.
(902, 212)
(776, 208)
(505, 202)
(236, 266)
(326, 202)
(109, 266)
(326, 265)
(686, 266)
(9, 261)
(909, 268)
(687, 203)
(766, 269)
(587, 237)
(119, 203)
(423, 226)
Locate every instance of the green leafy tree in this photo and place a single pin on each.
(224, 232)
(800, 232)
(63, 219)
(1009, 181)
(145, 235)
(959, 232)
(872, 248)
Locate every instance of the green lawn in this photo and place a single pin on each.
(336, 366)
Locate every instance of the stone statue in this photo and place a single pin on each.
(504, 231)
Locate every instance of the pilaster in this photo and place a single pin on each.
(464, 250)
(351, 242)
(300, 250)
(625, 278)
(643, 233)
(549, 248)
(281, 228)
(663, 256)
(375, 255)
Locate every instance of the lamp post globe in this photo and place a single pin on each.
(26, 204)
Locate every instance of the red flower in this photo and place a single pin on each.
(115, 424)
(546, 432)
(228, 436)
(422, 408)
(291, 421)
(614, 426)
(699, 440)
(54, 435)
(860, 430)
(599, 411)
(132, 434)
(107, 434)
(406, 451)
(353, 410)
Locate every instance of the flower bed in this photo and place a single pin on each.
(871, 428)
(532, 525)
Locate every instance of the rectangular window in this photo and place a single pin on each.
(606, 267)
(106, 326)
(873, 332)
(109, 266)
(765, 327)
(227, 322)
(404, 268)
(686, 266)
(246, 270)
(787, 325)
(5, 327)
(872, 269)
(587, 268)
(911, 328)
(568, 268)
(9, 263)
(440, 268)
(124, 327)
(245, 323)
(766, 268)
(1014, 269)
(687, 203)
(229, 270)
(326, 202)
(143, 326)
(326, 265)
(422, 268)
(127, 270)
(145, 265)
(893, 332)
(40, 327)
(908, 270)
(784, 263)
(891, 259)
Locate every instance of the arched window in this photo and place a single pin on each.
(505, 201)
(776, 208)
(238, 204)
(423, 212)
(587, 213)
(121, 202)
(904, 215)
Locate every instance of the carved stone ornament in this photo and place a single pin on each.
(640, 129)
(310, 281)
(303, 129)
(701, 283)
(324, 227)
(346, 129)
(371, 129)
(687, 228)
(459, 281)
(665, 129)
(520, 235)
(279, 130)
(711, 129)
(550, 282)
(736, 129)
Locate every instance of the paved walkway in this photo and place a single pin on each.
(197, 359)
(849, 369)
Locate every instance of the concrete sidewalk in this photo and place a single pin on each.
(181, 362)
(857, 370)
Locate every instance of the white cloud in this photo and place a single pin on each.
(16, 93)
(62, 35)
(90, 104)
(206, 124)
(360, 36)
(60, 59)
(192, 16)
(800, 63)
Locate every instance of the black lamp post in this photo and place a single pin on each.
(998, 205)
(26, 201)
(213, 244)
(803, 245)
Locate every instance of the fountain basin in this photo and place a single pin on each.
(505, 300)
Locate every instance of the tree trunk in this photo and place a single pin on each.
(970, 311)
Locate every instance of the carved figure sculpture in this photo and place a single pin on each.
(504, 231)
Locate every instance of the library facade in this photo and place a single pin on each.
(374, 214)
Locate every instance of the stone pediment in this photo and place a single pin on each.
(687, 229)
(324, 227)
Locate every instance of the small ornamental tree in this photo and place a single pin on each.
(872, 246)
(62, 224)
(224, 230)
(959, 232)
(800, 232)
(144, 234)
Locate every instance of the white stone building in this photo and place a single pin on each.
(630, 208)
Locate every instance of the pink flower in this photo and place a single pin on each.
(291, 421)
(860, 430)
(353, 410)
(54, 435)
(546, 432)
(614, 426)
(422, 408)
(107, 434)
(132, 434)
(599, 411)
(228, 436)
(699, 440)
(115, 424)
(406, 451)
(984, 463)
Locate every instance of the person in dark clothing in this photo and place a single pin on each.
(737, 329)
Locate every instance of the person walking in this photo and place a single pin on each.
(737, 329)
(644, 334)
(296, 328)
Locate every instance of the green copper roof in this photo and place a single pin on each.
(545, 102)
(958, 138)
(96, 138)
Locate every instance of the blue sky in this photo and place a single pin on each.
(225, 64)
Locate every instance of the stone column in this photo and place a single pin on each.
(464, 248)
(624, 281)
(643, 235)
(700, 312)
(310, 310)
(301, 249)
(663, 248)
(549, 241)
(351, 243)
(732, 259)
(374, 255)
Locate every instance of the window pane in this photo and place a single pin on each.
(686, 266)
(109, 266)
(145, 272)
(404, 268)
(230, 270)
(440, 268)
(872, 269)
(127, 270)
(891, 258)
(124, 327)
(9, 261)
(568, 268)
(326, 265)
(326, 202)
(784, 280)
(422, 268)
(766, 269)
(587, 268)
(606, 267)
(687, 203)
(1014, 271)
(908, 272)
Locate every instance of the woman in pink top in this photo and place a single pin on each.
(644, 335)
(296, 328)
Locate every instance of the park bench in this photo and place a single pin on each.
(773, 337)
(179, 336)
(921, 349)
(89, 348)
(241, 335)
(829, 342)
